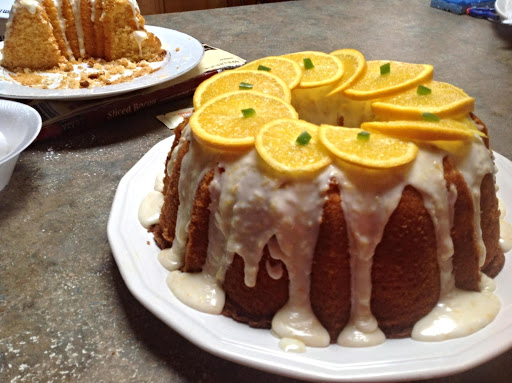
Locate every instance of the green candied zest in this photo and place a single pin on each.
(265, 68)
(303, 138)
(308, 64)
(363, 136)
(245, 85)
(430, 117)
(249, 112)
(423, 90)
(385, 68)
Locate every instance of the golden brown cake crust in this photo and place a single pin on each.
(405, 272)
(31, 30)
(256, 305)
(197, 244)
(465, 257)
(490, 224)
(330, 276)
(169, 211)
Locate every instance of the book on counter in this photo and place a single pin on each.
(61, 116)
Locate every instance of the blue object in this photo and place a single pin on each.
(483, 13)
(460, 7)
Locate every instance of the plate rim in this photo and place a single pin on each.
(117, 89)
(462, 356)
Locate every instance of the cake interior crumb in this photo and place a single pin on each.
(83, 74)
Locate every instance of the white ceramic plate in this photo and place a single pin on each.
(183, 54)
(504, 8)
(397, 359)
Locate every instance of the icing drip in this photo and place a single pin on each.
(75, 4)
(169, 260)
(195, 166)
(200, 291)
(366, 210)
(159, 182)
(291, 345)
(93, 10)
(62, 23)
(428, 179)
(139, 37)
(505, 236)
(149, 209)
(275, 272)
(503, 209)
(474, 162)
(29, 5)
(459, 313)
(135, 10)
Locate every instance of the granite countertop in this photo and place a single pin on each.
(65, 311)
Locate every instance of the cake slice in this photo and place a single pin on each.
(124, 32)
(30, 26)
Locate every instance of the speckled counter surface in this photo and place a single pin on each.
(66, 313)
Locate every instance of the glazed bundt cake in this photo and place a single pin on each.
(41, 34)
(350, 252)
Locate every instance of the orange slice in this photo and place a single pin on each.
(286, 69)
(292, 147)
(324, 69)
(234, 80)
(443, 130)
(231, 121)
(401, 77)
(444, 100)
(372, 150)
(354, 65)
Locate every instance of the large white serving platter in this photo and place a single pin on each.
(398, 359)
(183, 54)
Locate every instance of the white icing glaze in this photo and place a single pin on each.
(139, 37)
(274, 271)
(292, 345)
(503, 209)
(62, 23)
(459, 313)
(29, 5)
(149, 209)
(352, 336)
(474, 163)
(196, 168)
(75, 5)
(505, 236)
(429, 180)
(170, 260)
(93, 10)
(159, 182)
(135, 10)
(200, 291)
(251, 208)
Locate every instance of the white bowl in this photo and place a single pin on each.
(19, 126)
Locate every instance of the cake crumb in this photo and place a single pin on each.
(88, 73)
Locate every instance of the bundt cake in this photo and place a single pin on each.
(41, 34)
(350, 253)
